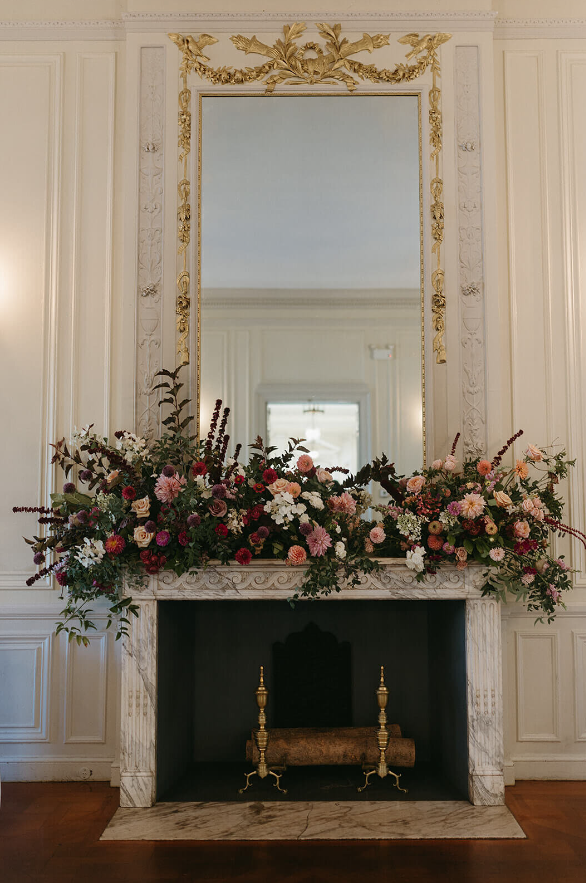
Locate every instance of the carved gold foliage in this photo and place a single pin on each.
(288, 63)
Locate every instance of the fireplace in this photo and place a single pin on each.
(190, 668)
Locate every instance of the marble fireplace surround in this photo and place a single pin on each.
(271, 580)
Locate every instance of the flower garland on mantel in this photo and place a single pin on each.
(176, 504)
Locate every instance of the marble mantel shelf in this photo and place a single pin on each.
(274, 580)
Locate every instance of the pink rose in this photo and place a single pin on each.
(527, 505)
(534, 453)
(218, 508)
(461, 553)
(324, 476)
(368, 547)
(437, 464)
(294, 489)
(377, 535)
(450, 463)
(305, 463)
(415, 484)
(296, 555)
(522, 529)
(497, 554)
(279, 486)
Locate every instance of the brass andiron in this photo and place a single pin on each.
(382, 738)
(261, 738)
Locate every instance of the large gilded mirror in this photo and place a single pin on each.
(319, 236)
(311, 272)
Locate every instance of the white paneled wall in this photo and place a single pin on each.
(61, 312)
(542, 138)
(88, 178)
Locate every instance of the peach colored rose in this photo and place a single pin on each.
(534, 453)
(450, 463)
(294, 489)
(142, 507)
(527, 505)
(324, 476)
(521, 469)
(484, 467)
(522, 529)
(377, 535)
(538, 514)
(415, 484)
(296, 555)
(279, 486)
(437, 464)
(368, 547)
(461, 553)
(113, 478)
(141, 537)
(305, 463)
(503, 500)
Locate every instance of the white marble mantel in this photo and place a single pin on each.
(271, 580)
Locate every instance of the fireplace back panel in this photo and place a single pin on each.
(210, 653)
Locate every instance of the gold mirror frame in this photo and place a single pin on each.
(287, 65)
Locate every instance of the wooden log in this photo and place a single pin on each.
(335, 746)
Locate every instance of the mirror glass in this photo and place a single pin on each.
(310, 272)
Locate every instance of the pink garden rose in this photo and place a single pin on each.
(461, 553)
(450, 463)
(305, 463)
(437, 464)
(377, 535)
(553, 593)
(497, 554)
(368, 547)
(415, 484)
(324, 476)
(522, 529)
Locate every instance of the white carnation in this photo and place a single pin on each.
(91, 553)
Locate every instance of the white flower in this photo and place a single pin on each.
(446, 519)
(91, 553)
(415, 559)
(283, 508)
(80, 436)
(303, 519)
(314, 499)
(131, 446)
(409, 525)
(338, 529)
(340, 550)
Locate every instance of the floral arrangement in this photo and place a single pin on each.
(176, 503)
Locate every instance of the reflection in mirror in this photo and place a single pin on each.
(311, 269)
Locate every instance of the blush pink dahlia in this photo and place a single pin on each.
(319, 541)
(472, 505)
(167, 487)
(344, 504)
(305, 463)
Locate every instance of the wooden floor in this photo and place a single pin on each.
(49, 832)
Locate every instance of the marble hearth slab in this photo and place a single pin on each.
(421, 820)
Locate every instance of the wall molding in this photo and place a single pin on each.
(540, 28)
(62, 30)
(523, 734)
(470, 251)
(149, 273)
(38, 730)
(100, 693)
(82, 768)
(579, 648)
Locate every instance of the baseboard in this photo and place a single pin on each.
(558, 768)
(57, 769)
(115, 775)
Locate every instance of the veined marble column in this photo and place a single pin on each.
(139, 708)
(486, 784)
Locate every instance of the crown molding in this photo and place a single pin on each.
(271, 21)
(540, 29)
(62, 30)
